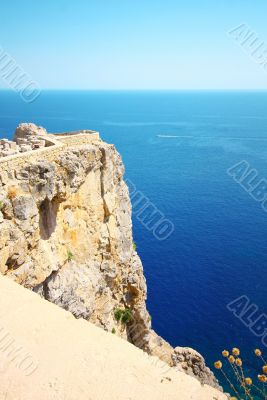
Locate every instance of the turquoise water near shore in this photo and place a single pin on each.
(177, 147)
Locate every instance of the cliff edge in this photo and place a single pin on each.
(47, 354)
(66, 234)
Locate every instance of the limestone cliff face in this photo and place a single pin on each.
(66, 233)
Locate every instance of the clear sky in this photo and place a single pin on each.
(133, 44)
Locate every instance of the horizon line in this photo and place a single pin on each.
(146, 90)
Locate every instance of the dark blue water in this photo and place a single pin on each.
(218, 250)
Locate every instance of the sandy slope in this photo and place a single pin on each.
(59, 357)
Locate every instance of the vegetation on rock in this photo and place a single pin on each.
(125, 316)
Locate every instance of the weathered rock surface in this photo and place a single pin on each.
(27, 137)
(191, 362)
(27, 130)
(66, 233)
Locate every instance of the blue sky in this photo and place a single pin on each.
(123, 44)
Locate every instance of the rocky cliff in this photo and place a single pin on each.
(66, 234)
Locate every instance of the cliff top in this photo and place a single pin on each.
(29, 137)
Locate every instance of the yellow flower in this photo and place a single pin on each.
(225, 353)
(248, 381)
(257, 352)
(262, 378)
(218, 364)
(231, 359)
(264, 368)
(233, 398)
(238, 362)
(235, 351)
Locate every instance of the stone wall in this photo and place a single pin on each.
(32, 142)
(15, 161)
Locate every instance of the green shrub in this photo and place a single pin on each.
(113, 330)
(70, 255)
(118, 314)
(125, 316)
(134, 246)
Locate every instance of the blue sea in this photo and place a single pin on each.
(177, 148)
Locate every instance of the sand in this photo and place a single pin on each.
(45, 354)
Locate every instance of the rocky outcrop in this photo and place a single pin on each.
(26, 131)
(192, 363)
(66, 234)
(27, 137)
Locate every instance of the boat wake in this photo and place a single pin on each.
(174, 136)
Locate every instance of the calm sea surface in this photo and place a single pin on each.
(176, 147)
